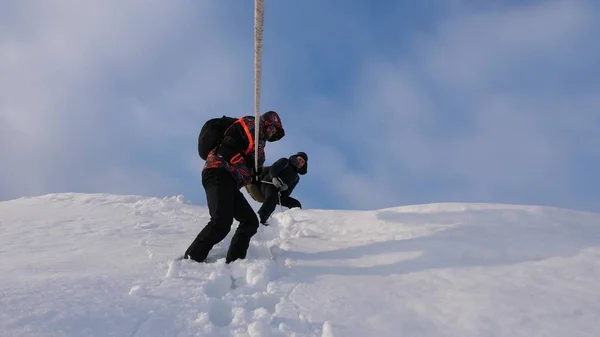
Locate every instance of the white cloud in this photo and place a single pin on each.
(106, 95)
(455, 110)
(79, 89)
(470, 50)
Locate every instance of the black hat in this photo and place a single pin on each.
(303, 155)
(304, 169)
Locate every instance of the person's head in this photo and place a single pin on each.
(273, 127)
(300, 162)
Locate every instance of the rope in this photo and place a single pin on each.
(259, 9)
(280, 205)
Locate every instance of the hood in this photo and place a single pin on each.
(304, 169)
(272, 118)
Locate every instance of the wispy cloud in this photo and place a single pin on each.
(488, 107)
(90, 89)
(395, 103)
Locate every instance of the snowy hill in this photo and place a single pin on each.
(100, 265)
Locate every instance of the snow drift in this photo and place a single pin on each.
(102, 265)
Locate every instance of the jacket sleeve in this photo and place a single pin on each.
(234, 142)
(239, 137)
(261, 155)
(278, 166)
(291, 187)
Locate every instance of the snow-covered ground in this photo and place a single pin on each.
(102, 265)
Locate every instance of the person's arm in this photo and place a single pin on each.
(278, 166)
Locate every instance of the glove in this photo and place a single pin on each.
(279, 183)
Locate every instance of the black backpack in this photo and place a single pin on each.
(212, 133)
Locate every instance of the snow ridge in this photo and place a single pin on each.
(105, 265)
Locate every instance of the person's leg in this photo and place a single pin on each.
(271, 199)
(220, 195)
(248, 225)
(290, 202)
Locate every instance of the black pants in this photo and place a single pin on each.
(225, 203)
(271, 199)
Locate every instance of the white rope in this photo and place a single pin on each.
(259, 9)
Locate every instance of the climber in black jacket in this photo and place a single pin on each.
(278, 182)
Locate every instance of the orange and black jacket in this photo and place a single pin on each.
(236, 151)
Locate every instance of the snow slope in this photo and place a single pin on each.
(101, 265)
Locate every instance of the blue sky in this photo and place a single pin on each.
(395, 102)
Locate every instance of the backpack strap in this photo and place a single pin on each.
(239, 156)
(249, 135)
